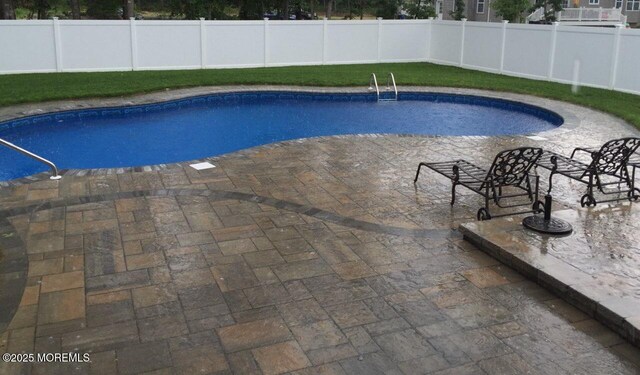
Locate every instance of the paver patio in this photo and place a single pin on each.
(309, 256)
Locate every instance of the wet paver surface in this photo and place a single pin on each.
(594, 268)
(312, 256)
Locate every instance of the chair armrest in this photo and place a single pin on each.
(589, 151)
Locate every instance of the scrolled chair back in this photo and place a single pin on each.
(614, 155)
(510, 167)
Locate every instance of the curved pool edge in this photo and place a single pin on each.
(562, 109)
(44, 176)
(58, 107)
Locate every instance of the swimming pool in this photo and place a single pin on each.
(203, 126)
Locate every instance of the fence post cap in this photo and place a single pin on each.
(430, 18)
(54, 18)
(463, 19)
(201, 18)
(505, 21)
(379, 18)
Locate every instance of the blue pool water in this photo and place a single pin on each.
(211, 125)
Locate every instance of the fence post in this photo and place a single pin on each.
(464, 24)
(552, 50)
(379, 42)
(324, 40)
(504, 43)
(266, 37)
(580, 14)
(57, 43)
(600, 14)
(615, 57)
(134, 43)
(429, 38)
(203, 45)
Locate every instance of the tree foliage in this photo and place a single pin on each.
(511, 10)
(193, 9)
(421, 10)
(7, 10)
(386, 8)
(458, 12)
(213, 9)
(551, 7)
(104, 9)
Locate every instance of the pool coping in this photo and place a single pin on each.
(565, 110)
(620, 314)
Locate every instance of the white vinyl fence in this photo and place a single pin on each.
(591, 56)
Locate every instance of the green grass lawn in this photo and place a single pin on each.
(25, 88)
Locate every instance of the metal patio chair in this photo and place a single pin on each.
(634, 159)
(508, 177)
(608, 170)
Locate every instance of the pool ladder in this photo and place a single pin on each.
(21, 150)
(391, 80)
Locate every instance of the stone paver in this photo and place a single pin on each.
(310, 256)
(603, 284)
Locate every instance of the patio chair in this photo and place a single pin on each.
(609, 167)
(634, 159)
(508, 177)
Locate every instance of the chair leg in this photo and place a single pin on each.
(453, 193)
(418, 172)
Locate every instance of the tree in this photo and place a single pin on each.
(41, 8)
(104, 9)
(251, 10)
(421, 10)
(387, 9)
(75, 9)
(327, 10)
(7, 11)
(458, 10)
(511, 10)
(127, 9)
(359, 6)
(551, 7)
(193, 9)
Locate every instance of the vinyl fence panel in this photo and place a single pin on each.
(446, 42)
(527, 50)
(234, 44)
(591, 56)
(27, 46)
(591, 47)
(95, 45)
(482, 45)
(628, 64)
(168, 45)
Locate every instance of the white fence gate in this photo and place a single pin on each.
(608, 56)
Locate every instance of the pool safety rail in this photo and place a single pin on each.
(373, 84)
(391, 82)
(21, 150)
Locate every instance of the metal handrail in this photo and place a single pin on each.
(374, 81)
(392, 79)
(21, 150)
